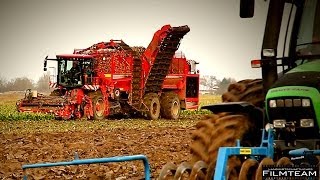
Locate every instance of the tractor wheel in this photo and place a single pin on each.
(151, 100)
(170, 105)
(99, 107)
(214, 132)
(249, 90)
(224, 129)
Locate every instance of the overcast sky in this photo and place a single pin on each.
(223, 43)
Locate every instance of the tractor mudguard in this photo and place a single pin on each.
(235, 107)
(238, 108)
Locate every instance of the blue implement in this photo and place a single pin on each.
(265, 149)
(78, 161)
(303, 151)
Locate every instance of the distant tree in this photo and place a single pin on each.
(3, 84)
(203, 81)
(212, 83)
(224, 84)
(209, 82)
(43, 83)
(20, 84)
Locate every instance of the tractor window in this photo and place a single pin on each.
(308, 42)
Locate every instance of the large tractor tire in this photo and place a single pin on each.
(246, 90)
(99, 107)
(170, 105)
(151, 100)
(224, 129)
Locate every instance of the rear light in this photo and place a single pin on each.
(256, 63)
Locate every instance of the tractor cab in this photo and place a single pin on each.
(74, 70)
(290, 63)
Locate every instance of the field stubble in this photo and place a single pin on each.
(30, 138)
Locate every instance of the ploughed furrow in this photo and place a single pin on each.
(236, 169)
(161, 64)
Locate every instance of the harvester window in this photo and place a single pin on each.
(70, 73)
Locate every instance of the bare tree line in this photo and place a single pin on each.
(210, 84)
(24, 83)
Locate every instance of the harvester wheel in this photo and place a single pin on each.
(151, 100)
(170, 105)
(99, 107)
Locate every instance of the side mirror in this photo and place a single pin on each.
(246, 8)
(45, 64)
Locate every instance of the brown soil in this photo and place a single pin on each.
(160, 145)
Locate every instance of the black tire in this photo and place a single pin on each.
(224, 129)
(99, 107)
(151, 100)
(214, 132)
(249, 90)
(170, 105)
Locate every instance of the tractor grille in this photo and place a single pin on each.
(294, 114)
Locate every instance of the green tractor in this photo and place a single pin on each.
(286, 99)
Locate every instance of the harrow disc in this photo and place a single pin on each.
(265, 161)
(167, 171)
(182, 168)
(284, 161)
(198, 170)
(248, 169)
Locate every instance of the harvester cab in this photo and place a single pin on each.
(74, 70)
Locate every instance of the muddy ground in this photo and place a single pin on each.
(161, 144)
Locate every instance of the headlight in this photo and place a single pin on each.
(288, 102)
(306, 103)
(279, 123)
(306, 123)
(297, 102)
(268, 53)
(272, 103)
(280, 102)
(268, 126)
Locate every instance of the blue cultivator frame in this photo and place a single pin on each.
(265, 149)
(78, 161)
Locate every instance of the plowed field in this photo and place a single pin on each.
(25, 142)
